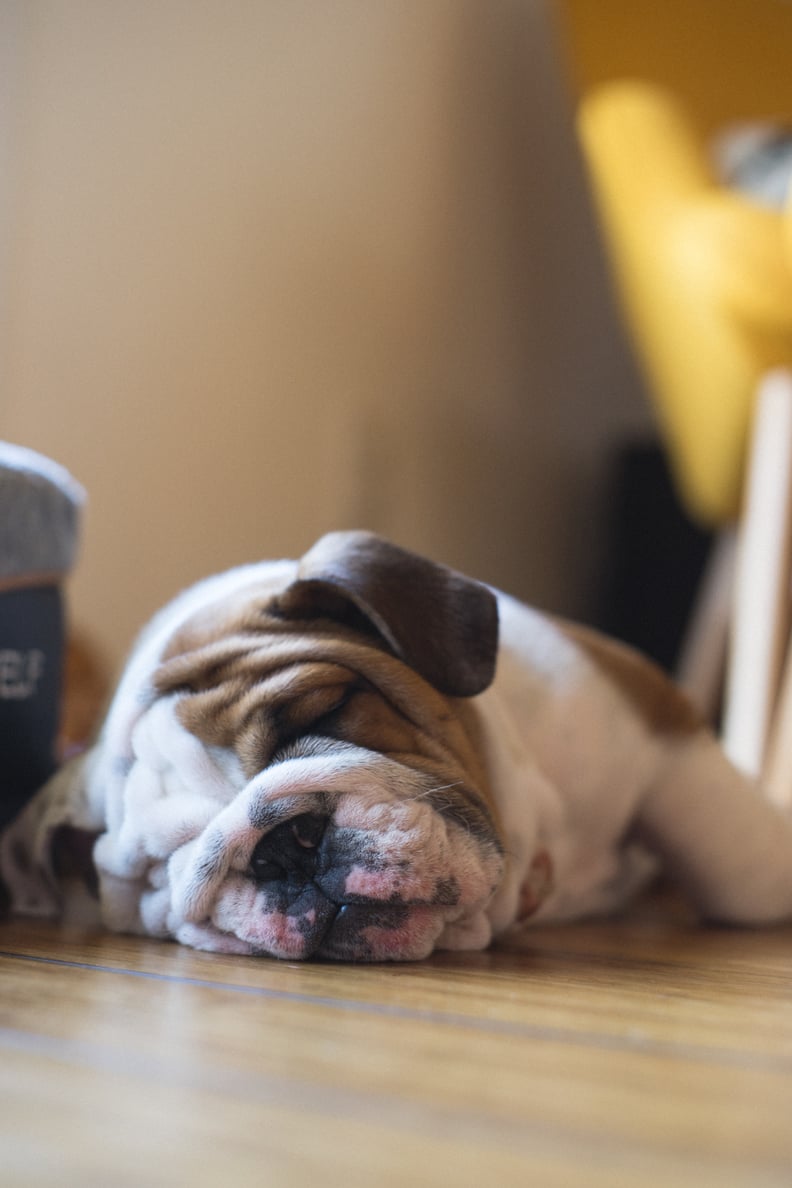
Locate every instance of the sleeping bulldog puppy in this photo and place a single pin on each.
(366, 756)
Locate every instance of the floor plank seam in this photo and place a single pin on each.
(625, 1042)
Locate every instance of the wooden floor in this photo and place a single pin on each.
(640, 1052)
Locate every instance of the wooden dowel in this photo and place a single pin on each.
(702, 664)
(777, 774)
(761, 606)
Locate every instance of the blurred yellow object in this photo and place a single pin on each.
(705, 276)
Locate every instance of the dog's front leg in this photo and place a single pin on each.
(729, 848)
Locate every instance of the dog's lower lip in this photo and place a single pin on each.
(319, 940)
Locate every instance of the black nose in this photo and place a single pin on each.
(290, 849)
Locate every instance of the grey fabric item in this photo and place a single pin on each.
(40, 506)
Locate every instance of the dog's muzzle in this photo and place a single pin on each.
(313, 874)
(351, 857)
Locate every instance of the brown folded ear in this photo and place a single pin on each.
(442, 624)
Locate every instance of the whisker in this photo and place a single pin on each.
(439, 788)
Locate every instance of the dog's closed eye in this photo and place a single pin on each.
(314, 713)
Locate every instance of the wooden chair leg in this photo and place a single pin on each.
(761, 607)
(777, 774)
(702, 664)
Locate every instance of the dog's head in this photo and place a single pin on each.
(297, 773)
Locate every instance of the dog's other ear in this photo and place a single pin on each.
(442, 624)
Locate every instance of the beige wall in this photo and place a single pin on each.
(272, 268)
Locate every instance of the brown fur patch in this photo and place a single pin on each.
(661, 704)
(255, 683)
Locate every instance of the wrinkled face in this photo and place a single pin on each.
(339, 853)
(303, 810)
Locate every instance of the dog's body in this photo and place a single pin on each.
(339, 757)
